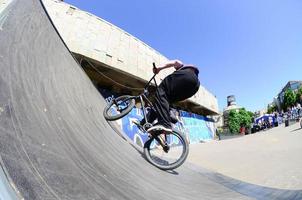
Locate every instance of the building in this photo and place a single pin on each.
(292, 85)
(231, 105)
(118, 63)
(113, 58)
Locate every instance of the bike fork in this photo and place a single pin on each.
(143, 109)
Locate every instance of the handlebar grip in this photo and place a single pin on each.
(154, 66)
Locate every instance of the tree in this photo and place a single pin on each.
(271, 109)
(245, 118)
(289, 99)
(234, 121)
(251, 114)
(299, 95)
(241, 118)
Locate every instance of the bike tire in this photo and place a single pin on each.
(125, 111)
(179, 161)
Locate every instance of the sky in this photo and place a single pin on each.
(249, 48)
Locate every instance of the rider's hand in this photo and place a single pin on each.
(156, 70)
(178, 64)
(177, 67)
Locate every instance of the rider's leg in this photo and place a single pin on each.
(178, 86)
(162, 107)
(162, 113)
(151, 116)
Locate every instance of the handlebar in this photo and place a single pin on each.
(153, 77)
(154, 66)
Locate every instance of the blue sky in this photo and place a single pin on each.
(248, 48)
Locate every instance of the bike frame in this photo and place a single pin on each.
(143, 98)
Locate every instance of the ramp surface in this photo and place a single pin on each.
(54, 141)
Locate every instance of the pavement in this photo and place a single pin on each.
(270, 158)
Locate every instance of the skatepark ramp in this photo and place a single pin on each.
(54, 141)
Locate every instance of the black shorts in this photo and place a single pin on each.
(180, 85)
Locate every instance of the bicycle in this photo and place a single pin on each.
(165, 150)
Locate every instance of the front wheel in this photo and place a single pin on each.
(119, 107)
(167, 151)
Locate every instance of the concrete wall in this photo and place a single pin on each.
(97, 39)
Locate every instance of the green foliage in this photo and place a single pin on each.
(289, 99)
(299, 95)
(271, 109)
(241, 118)
(251, 114)
(234, 121)
(245, 118)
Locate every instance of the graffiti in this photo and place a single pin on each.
(108, 99)
(137, 136)
(196, 128)
(199, 128)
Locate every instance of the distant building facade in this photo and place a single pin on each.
(292, 85)
(231, 105)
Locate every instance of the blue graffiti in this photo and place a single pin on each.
(131, 129)
(199, 127)
(196, 128)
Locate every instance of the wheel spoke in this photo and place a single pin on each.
(119, 107)
(167, 149)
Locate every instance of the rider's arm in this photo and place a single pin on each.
(172, 63)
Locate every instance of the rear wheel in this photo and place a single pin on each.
(119, 107)
(167, 151)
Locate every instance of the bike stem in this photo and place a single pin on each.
(153, 78)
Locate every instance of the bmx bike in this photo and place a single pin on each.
(165, 150)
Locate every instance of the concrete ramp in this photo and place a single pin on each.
(54, 141)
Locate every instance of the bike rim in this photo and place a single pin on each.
(160, 157)
(118, 107)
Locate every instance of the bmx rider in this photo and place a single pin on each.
(183, 83)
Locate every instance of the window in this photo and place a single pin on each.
(70, 10)
(295, 86)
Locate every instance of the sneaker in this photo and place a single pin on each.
(159, 127)
(138, 124)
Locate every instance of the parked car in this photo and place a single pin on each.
(255, 128)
